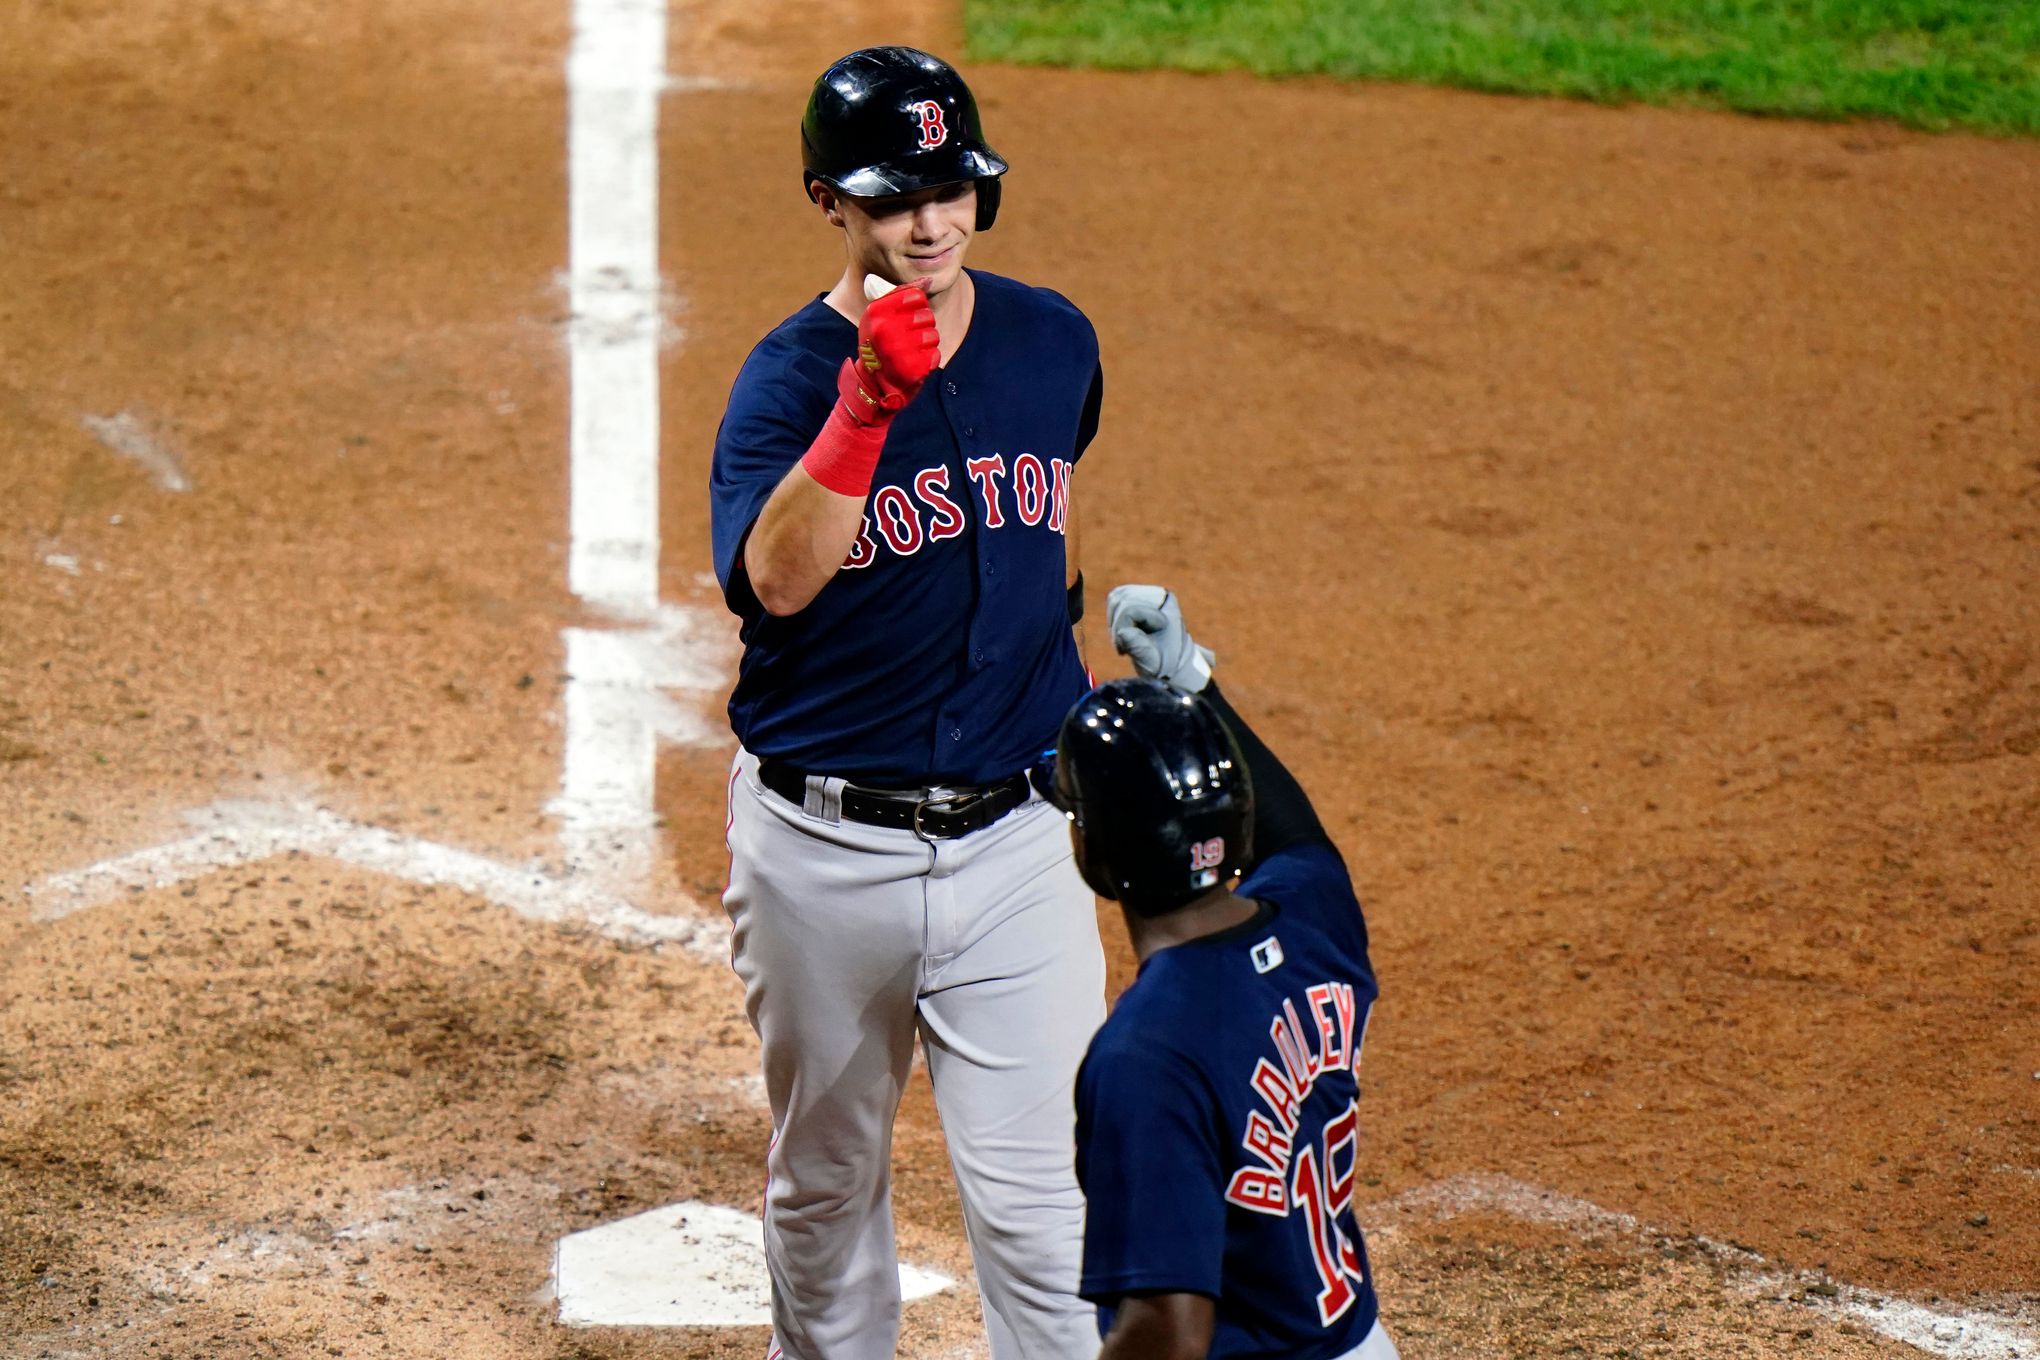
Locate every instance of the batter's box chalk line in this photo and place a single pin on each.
(1955, 1334)
(127, 436)
(236, 832)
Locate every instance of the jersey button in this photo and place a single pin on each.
(969, 431)
(950, 388)
(979, 656)
(956, 734)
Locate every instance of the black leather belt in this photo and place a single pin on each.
(935, 814)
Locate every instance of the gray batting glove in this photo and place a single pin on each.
(1146, 624)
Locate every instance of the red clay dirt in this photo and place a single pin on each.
(1626, 521)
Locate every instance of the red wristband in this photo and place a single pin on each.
(844, 456)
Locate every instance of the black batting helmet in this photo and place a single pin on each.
(1159, 794)
(891, 120)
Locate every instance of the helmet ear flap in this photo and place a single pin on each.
(1093, 845)
(988, 201)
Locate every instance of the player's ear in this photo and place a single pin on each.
(825, 199)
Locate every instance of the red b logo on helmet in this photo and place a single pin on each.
(933, 131)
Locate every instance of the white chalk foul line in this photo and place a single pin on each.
(125, 434)
(615, 716)
(617, 713)
(235, 832)
(1956, 1334)
(616, 71)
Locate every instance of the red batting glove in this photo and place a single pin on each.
(897, 348)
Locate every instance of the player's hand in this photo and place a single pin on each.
(1146, 624)
(897, 348)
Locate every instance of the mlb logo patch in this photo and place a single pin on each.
(1267, 955)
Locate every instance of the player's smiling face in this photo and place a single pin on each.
(922, 235)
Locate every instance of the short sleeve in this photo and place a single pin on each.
(776, 409)
(1074, 343)
(1094, 403)
(1149, 1160)
(1310, 879)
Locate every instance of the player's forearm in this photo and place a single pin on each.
(808, 527)
(1161, 1327)
(799, 542)
(1148, 1344)
(1283, 816)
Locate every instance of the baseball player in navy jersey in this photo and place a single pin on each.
(1217, 1109)
(892, 524)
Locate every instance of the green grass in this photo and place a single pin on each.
(1928, 63)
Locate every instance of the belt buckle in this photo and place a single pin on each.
(942, 800)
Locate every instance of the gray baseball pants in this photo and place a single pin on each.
(852, 939)
(1374, 1346)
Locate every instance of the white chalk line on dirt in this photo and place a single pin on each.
(237, 832)
(616, 70)
(1955, 1334)
(616, 711)
(615, 715)
(125, 434)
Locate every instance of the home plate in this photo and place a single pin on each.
(686, 1265)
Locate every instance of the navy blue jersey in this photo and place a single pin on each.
(1217, 1136)
(941, 651)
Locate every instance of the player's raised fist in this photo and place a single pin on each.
(897, 348)
(1147, 626)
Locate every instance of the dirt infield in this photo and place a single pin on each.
(1627, 521)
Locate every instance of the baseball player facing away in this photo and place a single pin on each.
(1217, 1133)
(890, 504)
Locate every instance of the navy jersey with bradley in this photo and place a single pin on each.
(1218, 1137)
